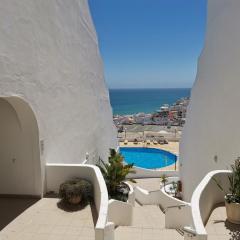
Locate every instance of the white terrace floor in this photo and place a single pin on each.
(217, 227)
(44, 220)
(148, 220)
(148, 224)
(220, 229)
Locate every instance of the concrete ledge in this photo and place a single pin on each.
(150, 173)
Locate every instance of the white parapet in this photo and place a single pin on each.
(58, 173)
(121, 213)
(152, 173)
(204, 199)
(177, 212)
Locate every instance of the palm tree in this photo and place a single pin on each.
(115, 171)
(164, 180)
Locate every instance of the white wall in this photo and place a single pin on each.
(59, 173)
(213, 115)
(49, 57)
(20, 166)
(205, 197)
(121, 213)
(151, 173)
(177, 212)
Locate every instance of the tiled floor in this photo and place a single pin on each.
(10, 208)
(148, 224)
(149, 184)
(46, 221)
(218, 228)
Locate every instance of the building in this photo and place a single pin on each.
(54, 103)
(55, 115)
(211, 135)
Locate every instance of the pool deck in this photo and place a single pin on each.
(149, 184)
(172, 147)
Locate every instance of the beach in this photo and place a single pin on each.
(151, 132)
(132, 101)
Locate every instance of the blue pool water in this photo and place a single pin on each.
(149, 158)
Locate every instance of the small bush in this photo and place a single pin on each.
(76, 188)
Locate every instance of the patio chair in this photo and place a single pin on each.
(135, 141)
(148, 142)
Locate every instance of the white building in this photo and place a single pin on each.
(54, 103)
(211, 134)
(55, 112)
(139, 118)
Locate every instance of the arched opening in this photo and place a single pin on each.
(20, 165)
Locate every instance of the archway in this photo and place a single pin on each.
(20, 165)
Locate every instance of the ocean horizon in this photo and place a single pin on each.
(134, 100)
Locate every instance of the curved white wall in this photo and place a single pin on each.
(211, 134)
(59, 173)
(49, 57)
(205, 198)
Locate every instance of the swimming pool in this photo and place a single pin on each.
(149, 158)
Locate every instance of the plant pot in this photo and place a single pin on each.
(233, 212)
(75, 200)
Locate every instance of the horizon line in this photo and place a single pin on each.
(149, 88)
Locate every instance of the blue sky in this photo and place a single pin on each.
(149, 43)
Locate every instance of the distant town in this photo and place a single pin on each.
(167, 115)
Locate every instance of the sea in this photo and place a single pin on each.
(131, 101)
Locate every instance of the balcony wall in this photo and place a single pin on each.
(58, 173)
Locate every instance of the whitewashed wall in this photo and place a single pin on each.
(205, 198)
(49, 57)
(59, 173)
(211, 134)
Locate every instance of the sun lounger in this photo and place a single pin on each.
(125, 142)
(161, 141)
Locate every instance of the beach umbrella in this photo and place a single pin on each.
(163, 132)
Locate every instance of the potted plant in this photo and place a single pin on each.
(75, 190)
(115, 173)
(232, 199)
